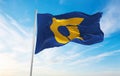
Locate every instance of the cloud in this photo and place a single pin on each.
(56, 56)
(16, 25)
(110, 20)
(95, 58)
(100, 73)
(12, 35)
(15, 47)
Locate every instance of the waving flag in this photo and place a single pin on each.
(58, 30)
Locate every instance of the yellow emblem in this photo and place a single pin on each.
(71, 24)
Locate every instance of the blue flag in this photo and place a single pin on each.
(58, 30)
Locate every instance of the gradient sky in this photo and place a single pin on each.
(16, 34)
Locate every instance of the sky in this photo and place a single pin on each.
(16, 40)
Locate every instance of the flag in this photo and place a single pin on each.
(58, 30)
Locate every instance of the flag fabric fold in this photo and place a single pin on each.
(58, 30)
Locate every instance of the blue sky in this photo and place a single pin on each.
(16, 33)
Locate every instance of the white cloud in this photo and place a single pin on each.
(16, 25)
(54, 56)
(12, 35)
(95, 58)
(50, 63)
(111, 16)
(10, 66)
(15, 47)
(100, 73)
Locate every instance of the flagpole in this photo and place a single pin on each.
(33, 46)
